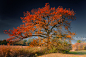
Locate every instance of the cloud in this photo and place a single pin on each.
(79, 38)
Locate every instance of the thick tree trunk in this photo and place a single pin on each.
(48, 41)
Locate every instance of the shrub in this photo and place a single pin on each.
(56, 45)
(60, 46)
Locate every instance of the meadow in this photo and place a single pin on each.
(19, 51)
(26, 51)
(81, 53)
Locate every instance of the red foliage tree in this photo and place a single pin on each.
(44, 22)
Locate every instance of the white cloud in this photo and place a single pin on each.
(79, 38)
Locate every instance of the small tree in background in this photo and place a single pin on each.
(4, 42)
(79, 41)
(29, 41)
(0, 42)
(24, 42)
(19, 43)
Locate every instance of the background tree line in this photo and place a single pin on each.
(22, 42)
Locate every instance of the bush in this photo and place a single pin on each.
(63, 51)
(56, 45)
(53, 50)
(60, 46)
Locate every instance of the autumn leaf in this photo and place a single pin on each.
(43, 22)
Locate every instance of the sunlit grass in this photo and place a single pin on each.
(15, 51)
(80, 52)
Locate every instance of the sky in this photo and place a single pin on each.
(12, 10)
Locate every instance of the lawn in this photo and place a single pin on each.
(81, 52)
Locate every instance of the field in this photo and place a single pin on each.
(81, 53)
(19, 51)
(26, 51)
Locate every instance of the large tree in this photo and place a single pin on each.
(45, 23)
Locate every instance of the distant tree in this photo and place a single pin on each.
(29, 41)
(4, 42)
(24, 42)
(0, 42)
(79, 41)
(18, 43)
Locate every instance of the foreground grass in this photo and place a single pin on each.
(61, 55)
(26, 51)
(81, 53)
(19, 51)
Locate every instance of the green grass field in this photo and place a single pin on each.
(81, 52)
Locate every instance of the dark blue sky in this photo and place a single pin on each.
(12, 10)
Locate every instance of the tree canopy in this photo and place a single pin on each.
(45, 23)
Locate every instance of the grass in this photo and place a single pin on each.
(23, 51)
(80, 52)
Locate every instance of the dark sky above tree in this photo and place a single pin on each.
(12, 10)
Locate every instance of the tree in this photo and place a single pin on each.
(29, 41)
(19, 43)
(3, 42)
(0, 42)
(24, 42)
(79, 41)
(43, 22)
